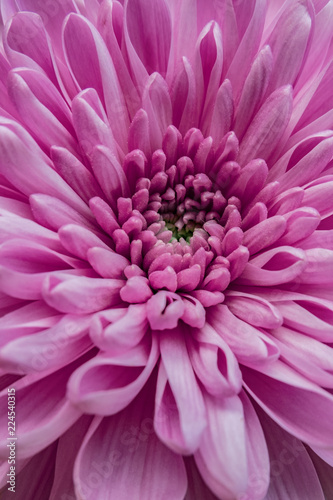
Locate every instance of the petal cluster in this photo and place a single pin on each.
(166, 248)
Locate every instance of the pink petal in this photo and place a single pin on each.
(81, 295)
(196, 487)
(284, 265)
(164, 310)
(267, 126)
(156, 102)
(52, 15)
(309, 166)
(52, 348)
(54, 416)
(297, 404)
(183, 96)
(223, 112)
(311, 358)
(85, 50)
(53, 213)
(292, 472)
(324, 472)
(180, 427)
(110, 25)
(254, 90)
(214, 363)
(289, 42)
(75, 174)
(28, 319)
(109, 174)
(29, 51)
(30, 485)
(78, 240)
(254, 310)
(90, 122)
(44, 126)
(248, 344)
(221, 458)
(318, 270)
(257, 452)
(107, 328)
(19, 228)
(264, 234)
(248, 46)
(149, 29)
(107, 384)
(107, 263)
(63, 486)
(47, 94)
(24, 166)
(139, 133)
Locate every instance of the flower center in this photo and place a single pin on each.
(188, 205)
(178, 221)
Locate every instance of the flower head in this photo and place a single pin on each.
(166, 248)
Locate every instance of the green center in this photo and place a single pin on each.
(186, 232)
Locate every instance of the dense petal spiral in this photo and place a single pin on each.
(166, 249)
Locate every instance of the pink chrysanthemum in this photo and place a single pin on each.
(166, 257)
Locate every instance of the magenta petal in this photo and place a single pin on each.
(53, 213)
(196, 487)
(214, 363)
(107, 328)
(223, 112)
(309, 166)
(164, 310)
(267, 126)
(75, 174)
(78, 30)
(249, 344)
(81, 295)
(254, 90)
(22, 164)
(90, 123)
(32, 52)
(221, 458)
(254, 310)
(293, 474)
(297, 403)
(52, 348)
(156, 102)
(291, 263)
(257, 453)
(311, 358)
(106, 263)
(289, 42)
(183, 96)
(63, 474)
(30, 486)
(78, 240)
(264, 234)
(44, 126)
(254, 14)
(324, 472)
(180, 426)
(21, 228)
(109, 174)
(28, 319)
(128, 464)
(54, 416)
(139, 134)
(106, 384)
(149, 28)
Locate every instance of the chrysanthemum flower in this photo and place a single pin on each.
(166, 257)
